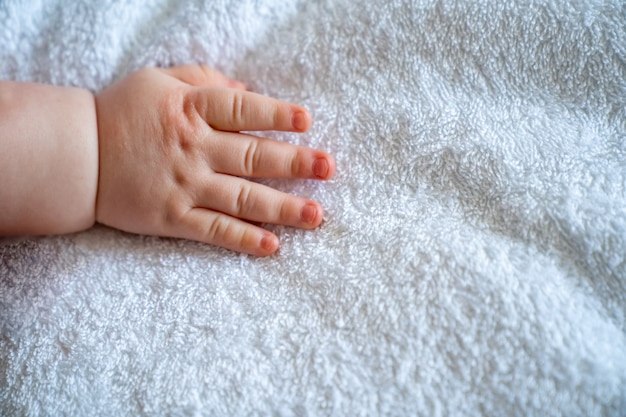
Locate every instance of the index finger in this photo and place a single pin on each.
(235, 110)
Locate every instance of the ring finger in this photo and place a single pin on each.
(250, 156)
(255, 202)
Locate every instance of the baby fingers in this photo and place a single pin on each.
(235, 110)
(249, 156)
(225, 231)
(225, 202)
(258, 203)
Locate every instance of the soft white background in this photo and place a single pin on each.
(472, 257)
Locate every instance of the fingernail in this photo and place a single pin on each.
(309, 213)
(321, 168)
(298, 120)
(269, 243)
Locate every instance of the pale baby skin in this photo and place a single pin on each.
(158, 153)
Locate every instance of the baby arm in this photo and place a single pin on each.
(171, 160)
(48, 159)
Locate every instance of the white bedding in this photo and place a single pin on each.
(472, 258)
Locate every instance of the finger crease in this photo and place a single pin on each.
(243, 199)
(295, 165)
(284, 211)
(250, 158)
(237, 109)
(217, 229)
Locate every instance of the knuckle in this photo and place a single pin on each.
(277, 117)
(237, 108)
(188, 107)
(241, 238)
(296, 165)
(244, 199)
(171, 101)
(285, 211)
(181, 177)
(169, 109)
(251, 158)
(223, 232)
(174, 213)
(178, 118)
(218, 229)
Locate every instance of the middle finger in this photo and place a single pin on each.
(235, 110)
(250, 156)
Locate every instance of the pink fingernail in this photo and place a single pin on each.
(309, 213)
(298, 120)
(321, 168)
(269, 243)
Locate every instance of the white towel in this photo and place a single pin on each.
(472, 258)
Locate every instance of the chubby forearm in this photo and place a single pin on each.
(164, 156)
(48, 159)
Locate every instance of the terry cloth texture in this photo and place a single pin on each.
(471, 261)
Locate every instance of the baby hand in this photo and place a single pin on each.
(171, 158)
